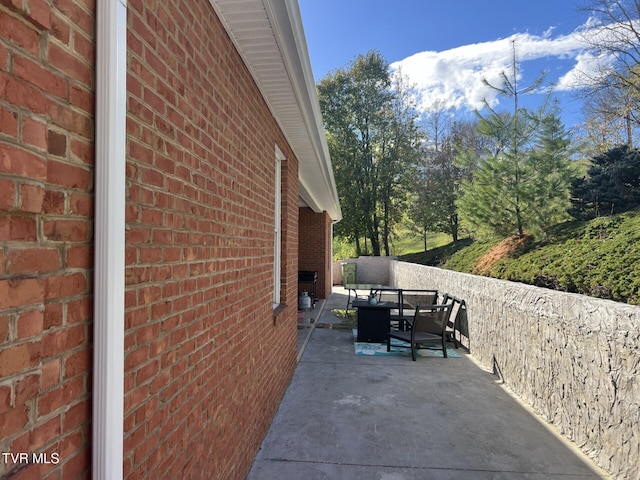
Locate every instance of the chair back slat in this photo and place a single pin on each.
(388, 295)
(456, 305)
(458, 322)
(412, 298)
(431, 319)
(462, 323)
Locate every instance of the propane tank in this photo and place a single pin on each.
(304, 301)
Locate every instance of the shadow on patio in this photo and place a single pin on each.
(359, 417)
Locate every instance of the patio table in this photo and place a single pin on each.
(374, 321)
(354, 287)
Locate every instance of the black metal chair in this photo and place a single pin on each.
(429, 326)
(411, 298)
(457, 319)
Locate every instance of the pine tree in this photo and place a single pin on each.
(521, 183)
(554, 171)
(612, 185)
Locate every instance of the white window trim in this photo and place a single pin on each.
(277, 227)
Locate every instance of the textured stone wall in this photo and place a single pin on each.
(573, 358)
(370, 269)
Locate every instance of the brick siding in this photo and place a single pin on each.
(315, 248)
(206, 360)
(46, 228)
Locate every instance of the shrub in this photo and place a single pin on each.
(600, 258)
(612, 185)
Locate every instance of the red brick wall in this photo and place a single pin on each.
(290, 240)
(46, 207)
(315, 248)
(206, 362)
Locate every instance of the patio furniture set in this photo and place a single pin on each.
(416, 317)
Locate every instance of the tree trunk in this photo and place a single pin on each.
(519, 221)
(374, 236)
(375, 244)
(386, 229)
(424, 237)
(454, 227)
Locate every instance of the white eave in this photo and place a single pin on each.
(270, 38)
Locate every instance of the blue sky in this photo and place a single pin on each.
(446, 48)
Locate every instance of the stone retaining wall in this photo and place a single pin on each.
(574, 359)
(370, 269)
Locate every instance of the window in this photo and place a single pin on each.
(277, 228)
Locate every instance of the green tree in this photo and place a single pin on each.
(554, 171)
(612, 185)
(495, 199)
(509, 191)
(372, 140)
(437, 181)
(522, 183)
(437, 187)
(352, 102)
(422, 210)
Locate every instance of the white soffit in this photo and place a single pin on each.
(270, 38)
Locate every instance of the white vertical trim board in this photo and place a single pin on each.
(277, 226)
(110, 163)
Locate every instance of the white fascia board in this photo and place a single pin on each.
(295, 105)
(319, 181)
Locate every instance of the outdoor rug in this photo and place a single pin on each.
(430, 350)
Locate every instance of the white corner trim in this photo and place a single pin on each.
(110, 163)
(277, 227)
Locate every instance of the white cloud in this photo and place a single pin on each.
(586, 70)
(455, 76)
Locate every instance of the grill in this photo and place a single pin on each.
(308, 277)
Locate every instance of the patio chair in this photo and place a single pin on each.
(428, 326)
(411, 298)
(457, 319)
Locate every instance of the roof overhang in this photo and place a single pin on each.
(270, 38)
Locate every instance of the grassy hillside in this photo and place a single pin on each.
(403, 240)
(600, 258)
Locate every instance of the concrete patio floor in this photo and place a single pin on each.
(357, 417)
